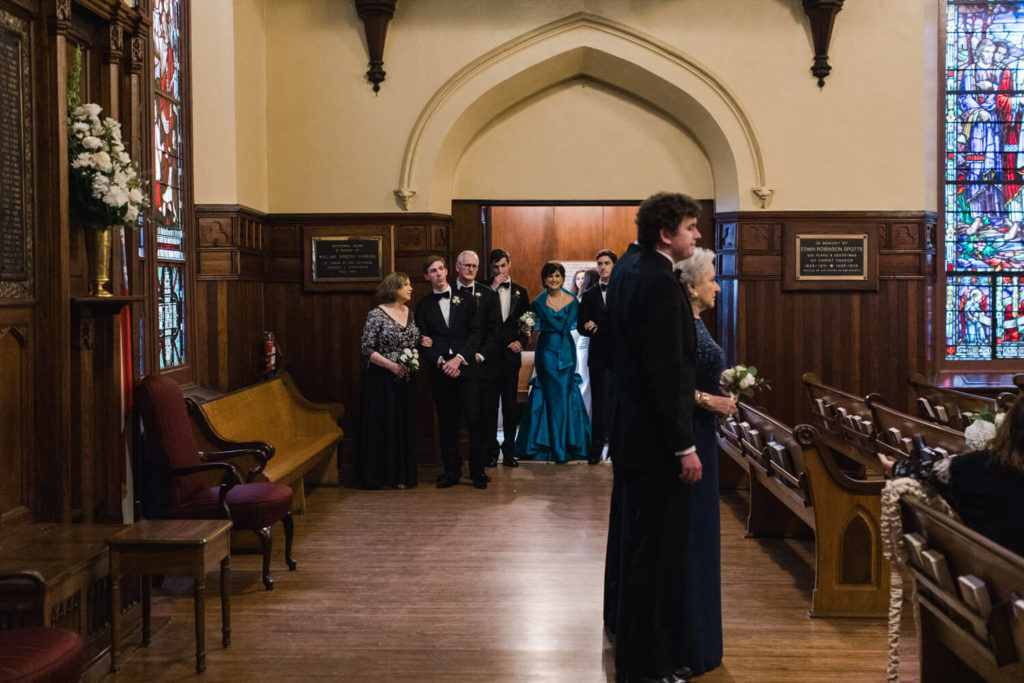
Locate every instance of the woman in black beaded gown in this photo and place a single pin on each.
(701, 646)
(384, 456)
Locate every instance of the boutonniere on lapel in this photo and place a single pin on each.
(515, 293)
(456, 300)
(476, 294)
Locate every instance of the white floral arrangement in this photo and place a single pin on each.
(105, 185)
(980, 434)
(410, 360)
(527, 321)
(742, 380)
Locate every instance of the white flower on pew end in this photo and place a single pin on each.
(980, 434)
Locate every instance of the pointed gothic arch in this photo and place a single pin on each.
(584, 45)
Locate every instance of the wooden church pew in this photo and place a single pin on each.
(844, 422)
(902, 436)
(793, 476)
(971, 628)
(950, 407)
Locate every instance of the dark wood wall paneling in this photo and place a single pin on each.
(60, 409)
(858, 341)
(250, 280)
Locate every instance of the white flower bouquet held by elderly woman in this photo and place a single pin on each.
(742, 380)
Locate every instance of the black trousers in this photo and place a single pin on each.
(600, 409)
(456, 400)
(653, 524)
(504, 386)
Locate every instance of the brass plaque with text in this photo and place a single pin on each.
(831, 257)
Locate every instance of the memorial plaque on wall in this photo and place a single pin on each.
(15, 159)
(828, 259)
(347, 258)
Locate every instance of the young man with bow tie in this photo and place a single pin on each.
(451, 331)
(592, 321)
(513, 302)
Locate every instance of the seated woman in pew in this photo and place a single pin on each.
(701, 648)
(385, 456)
(986, 487)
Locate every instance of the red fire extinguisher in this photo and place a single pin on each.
(269, 354)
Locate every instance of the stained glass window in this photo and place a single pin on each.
(170, 296)
(168, 172)
(984, 179)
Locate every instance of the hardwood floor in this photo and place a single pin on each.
(468, 585)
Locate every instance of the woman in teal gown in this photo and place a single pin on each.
(555, 425)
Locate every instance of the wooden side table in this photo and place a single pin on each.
(171, 546)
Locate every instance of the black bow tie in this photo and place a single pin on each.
(442, 295)
(505, 285)
(466, 289)
(604, 287)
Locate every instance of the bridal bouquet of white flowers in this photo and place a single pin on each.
(742, 380)
(981, 433)
(410, 360)
(105, 185)
(527, 321)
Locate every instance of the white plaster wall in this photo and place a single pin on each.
(863, 142)
(213, 102)
(539, 151)
(251, 103)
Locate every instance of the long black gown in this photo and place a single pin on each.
(385, 456)
(701, 647)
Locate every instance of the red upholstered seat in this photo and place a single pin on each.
(251, 506)
(40, 655)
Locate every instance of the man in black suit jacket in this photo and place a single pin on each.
(488, 355)
(652, 446)
(592, 321)
(450, 322)
(513, 301)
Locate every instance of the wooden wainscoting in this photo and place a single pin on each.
(857, 341)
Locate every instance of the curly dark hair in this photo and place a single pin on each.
(497, 255)
(549, 268)
(606, 252)
(663, 211)
(1008, 447)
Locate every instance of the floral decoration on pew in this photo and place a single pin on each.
(742, 380)
(980, 434)
(410, 360)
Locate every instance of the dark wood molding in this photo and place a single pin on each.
(376, 14)
(822, 15)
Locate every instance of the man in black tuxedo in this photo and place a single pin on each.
(484, 370)
(592, 321)
(513, 301)
(653, 343)
(450, 322)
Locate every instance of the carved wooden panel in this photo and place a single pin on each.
(439, 238)
(761, 265)
(289, 267)
(16, 417)
(905, 236)
(251, 265)
(413, 238)
(285, 239)
(895, 265)
(215, 232)
(756, 236)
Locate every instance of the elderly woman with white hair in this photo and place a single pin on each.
(701, 646)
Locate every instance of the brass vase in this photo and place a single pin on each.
(97, 250)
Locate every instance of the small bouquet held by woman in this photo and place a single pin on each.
(742, 380)
(410, 360)
(527, 321)
(981, 433)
